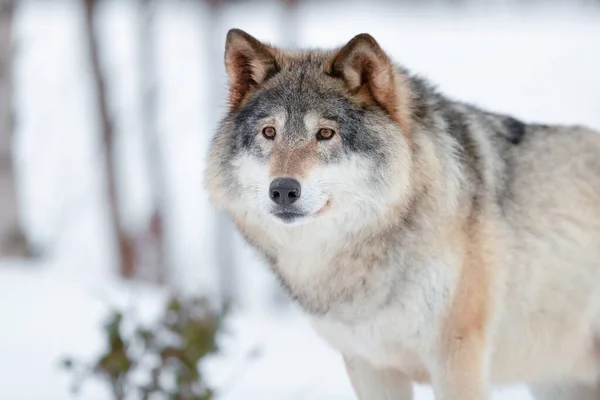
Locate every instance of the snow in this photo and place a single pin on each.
(538, 63)
(263, 358)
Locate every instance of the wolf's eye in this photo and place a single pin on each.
(325, 134)
(269, 132)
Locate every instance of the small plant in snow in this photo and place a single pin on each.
(161, 361)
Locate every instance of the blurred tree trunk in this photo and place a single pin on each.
(125, 244)
(224, 230)
(12, 240)
(154, 156)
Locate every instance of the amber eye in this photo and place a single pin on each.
(325, 134)
(269, 132)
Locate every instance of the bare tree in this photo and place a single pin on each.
(12, 240)
(154, 156)
(125, 244)
(224, 227)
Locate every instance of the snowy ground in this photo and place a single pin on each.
(539, 64)
(264, 357)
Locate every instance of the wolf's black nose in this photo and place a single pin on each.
(284, 191)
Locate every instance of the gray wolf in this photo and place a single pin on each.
(427, 240)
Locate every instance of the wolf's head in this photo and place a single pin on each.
(311, 135)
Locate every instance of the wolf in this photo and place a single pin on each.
(427, 240)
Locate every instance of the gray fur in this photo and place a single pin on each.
(460, 240)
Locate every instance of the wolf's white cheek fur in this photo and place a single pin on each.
(351, 186)
(253, 182)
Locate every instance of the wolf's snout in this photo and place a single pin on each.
(284, 191)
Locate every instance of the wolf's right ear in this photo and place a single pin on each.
(248, 63)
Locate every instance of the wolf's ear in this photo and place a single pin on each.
(248, 63)
(371, 76)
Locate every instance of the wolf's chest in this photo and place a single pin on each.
(387, 340)
(341, 283)
(399, 333)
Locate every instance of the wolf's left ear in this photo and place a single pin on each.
(248, 62)
(371, 76)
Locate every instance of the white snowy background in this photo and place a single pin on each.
(539, 61)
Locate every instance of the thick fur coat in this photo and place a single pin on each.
(427, 240)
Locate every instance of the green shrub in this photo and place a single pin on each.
(158, 361)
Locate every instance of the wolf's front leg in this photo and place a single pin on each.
(461, 369)
(460, 363)
(371, 383)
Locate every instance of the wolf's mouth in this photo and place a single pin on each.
(288, 216)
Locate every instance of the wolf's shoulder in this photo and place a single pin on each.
(436, 111)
